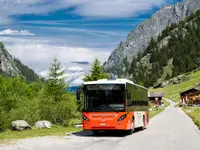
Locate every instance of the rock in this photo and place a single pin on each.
(20, 125)
(157, 85)
(164, 84)
(78, 126)
(197, 84)
(180, 77)
(139, 38)
(7, 64)
(43, 124)
(175, 81)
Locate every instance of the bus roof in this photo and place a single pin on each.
(112, 81)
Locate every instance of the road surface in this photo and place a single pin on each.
(170, 130)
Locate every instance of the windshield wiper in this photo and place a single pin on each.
(112, 108)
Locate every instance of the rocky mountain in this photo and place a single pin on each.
(10, 66)
(173, 53)
(7, 63)
(139, 38)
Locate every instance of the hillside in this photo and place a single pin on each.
(173, 91)
(175, 51)
(10, 66)
(138, 39)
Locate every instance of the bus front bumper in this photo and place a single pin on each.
(106, 126)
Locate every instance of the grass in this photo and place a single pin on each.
(193, 113)
(172, 92)
(54, 131)
(159, 110)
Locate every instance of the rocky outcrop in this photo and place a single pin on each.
(139, 38)
(20, 125)
(7, 64)
(176, 80)
(43, 124)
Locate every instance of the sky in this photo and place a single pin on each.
(73, 31)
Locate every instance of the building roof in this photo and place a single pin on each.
(193, 89)
(156, 94)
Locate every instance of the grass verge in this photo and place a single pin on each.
(172, 92)
(158, 110)
(54, 131)
(194, 114)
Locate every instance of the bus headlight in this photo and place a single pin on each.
(122, 117)
(85, 118)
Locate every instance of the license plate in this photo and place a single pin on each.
(102, 124)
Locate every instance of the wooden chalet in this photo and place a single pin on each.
(190, 96)
(156, 98)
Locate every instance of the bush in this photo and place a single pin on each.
(3, 120)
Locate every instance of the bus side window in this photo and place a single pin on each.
(133, 103)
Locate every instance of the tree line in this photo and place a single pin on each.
(47, 100)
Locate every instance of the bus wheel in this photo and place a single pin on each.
(95, 132)
(132, 130)
(143, 127)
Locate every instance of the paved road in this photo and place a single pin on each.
(171, 130)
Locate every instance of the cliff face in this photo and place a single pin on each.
(139, 38)
(7, 64)
(13, 67)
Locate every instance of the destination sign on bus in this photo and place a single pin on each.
(104, 87)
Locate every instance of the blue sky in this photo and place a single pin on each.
(74, 31)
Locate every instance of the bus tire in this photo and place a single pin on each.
(143, 126)
(95, 132)
(132, 130)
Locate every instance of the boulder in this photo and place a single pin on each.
(175, 81)
(164, 84)
(78, 126)
(43, 124)
(20, 125)
(157, 85)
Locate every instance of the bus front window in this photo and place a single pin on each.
(103, 99)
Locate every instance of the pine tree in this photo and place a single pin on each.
(56, 81)
(133, 65)
(96, 72)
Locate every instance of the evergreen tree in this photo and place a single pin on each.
(133, 65)
(56, 84)
(96, 72)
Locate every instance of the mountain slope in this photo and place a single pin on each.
(174, 52)
(10, 66)
(138, 39)
(7, 64)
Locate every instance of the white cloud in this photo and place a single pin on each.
(73, 75)
(38, 55)
(77, 81)
(116, 8)
(15, 32)
(75, 69)
(86, 8)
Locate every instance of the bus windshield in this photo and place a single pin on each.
(104, 98)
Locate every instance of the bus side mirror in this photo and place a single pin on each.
(128, 94)
(78, 94)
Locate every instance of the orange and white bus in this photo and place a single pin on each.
(117, 104)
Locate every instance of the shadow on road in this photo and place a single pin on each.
(104, 133)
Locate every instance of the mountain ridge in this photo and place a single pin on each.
(10, 66)
(139, 38)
